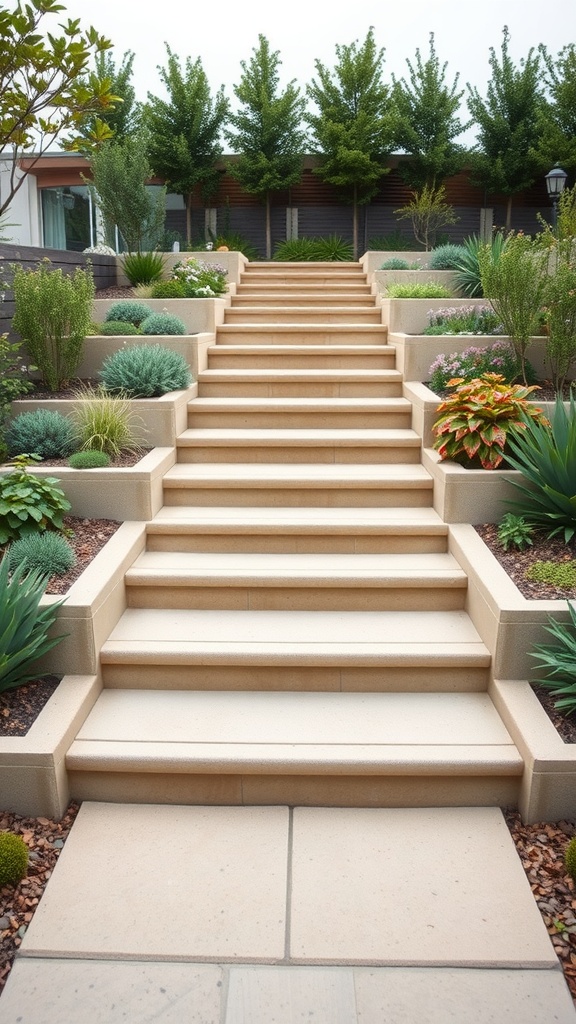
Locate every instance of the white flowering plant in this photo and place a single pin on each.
(200, 280)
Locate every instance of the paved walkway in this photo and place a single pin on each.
(272, 915)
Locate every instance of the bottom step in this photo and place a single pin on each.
(265, 747)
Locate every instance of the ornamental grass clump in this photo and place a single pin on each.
(46, 553)
(106, 423)
(53, 315)
(476, 420)
(25, 624)
(145, 371)
(48, 434)
(545, 453)
(558, 660)
(143, 267)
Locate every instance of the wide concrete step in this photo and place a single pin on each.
(284, 484)
(437, 739)
(309, 298)
(301, 357)
(377, 651)
(297, 530)
(307, 383)
(303, 334)
(298, 445)
(303, 315)
(325, 581)
(300, 413)
(356, 286)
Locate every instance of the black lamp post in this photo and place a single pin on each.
(555, 182)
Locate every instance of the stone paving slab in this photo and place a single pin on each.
(43, 991)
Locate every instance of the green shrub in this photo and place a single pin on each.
(168, 290)
(333, 249)
(128, 311)
(545, 454)
(559, 661)
(516, 283)
(445, 257)
(296, 250)
(53, 315)
(570, 858)
(89, 460)
(105, 423)
(163, 324)
(560, 574)
(395, 263)
(418, 290)
(145, 371)
(46, 433)
(13, 381)
(117, 327)
(477, 419)
(201, 280)
(29, 503)
(514, 532)
(47, 553)
(25, 625)
(143, 267)
(13, 858)
(396, 241)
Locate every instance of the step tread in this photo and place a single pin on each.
(304, 350)
(364, 520)
(304, 474)
(196, 436)
(299, 376)
(262, 569)
(222, 404)
(282, 732)
(308, 328)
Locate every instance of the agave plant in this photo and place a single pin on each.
(24, 624)
(559, 662)
(475, 422)
(545, 454)
(467, 266)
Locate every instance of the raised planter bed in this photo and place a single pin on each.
(198, 315)
(410, 316)
(415, 353)
(382, 278)
(235, 263)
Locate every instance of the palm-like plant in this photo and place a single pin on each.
(467, 266)
(545, 454)
(24, 625)
(559, 662)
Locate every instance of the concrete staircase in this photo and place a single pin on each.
(296, 631)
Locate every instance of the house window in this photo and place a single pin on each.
(68, 220)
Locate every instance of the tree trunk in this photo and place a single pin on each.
(268, 229)
(509, 214)
(189, 217)
(355, 224)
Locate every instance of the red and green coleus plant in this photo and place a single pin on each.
(474, 421)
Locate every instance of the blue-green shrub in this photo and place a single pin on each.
(129, 311)
(162, 323)
(117, 327)
(145, 371)
(47, 553)
(446, 257)
(46, 433)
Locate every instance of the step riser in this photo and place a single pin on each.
(307, 316)
(245, 389)
(268, 361)
(300, 454)
(431, 678)
(333, 420)
(302, 790)
(232, 335)
(297, 497)
(310, 300)
(287, 544)
(314, 598)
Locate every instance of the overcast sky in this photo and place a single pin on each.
(224, 32)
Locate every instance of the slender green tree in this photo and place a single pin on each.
(351, 130)
(123, 120)
(425, 122)
(268, 131)
(46, 90)
(120, 172)
(504, 158)
(557, 143)
(184, 131)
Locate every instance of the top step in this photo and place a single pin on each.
(332, 267)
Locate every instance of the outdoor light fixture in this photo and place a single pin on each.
(555, 182)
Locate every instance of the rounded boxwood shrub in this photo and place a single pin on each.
(47, 552)
(163, 323)
(128, 311)
(112, 327)
(168, 290)
(89, 460)
(13, 858)
(395, 263)
(42, 432)
(145, 371)
(446, 257)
